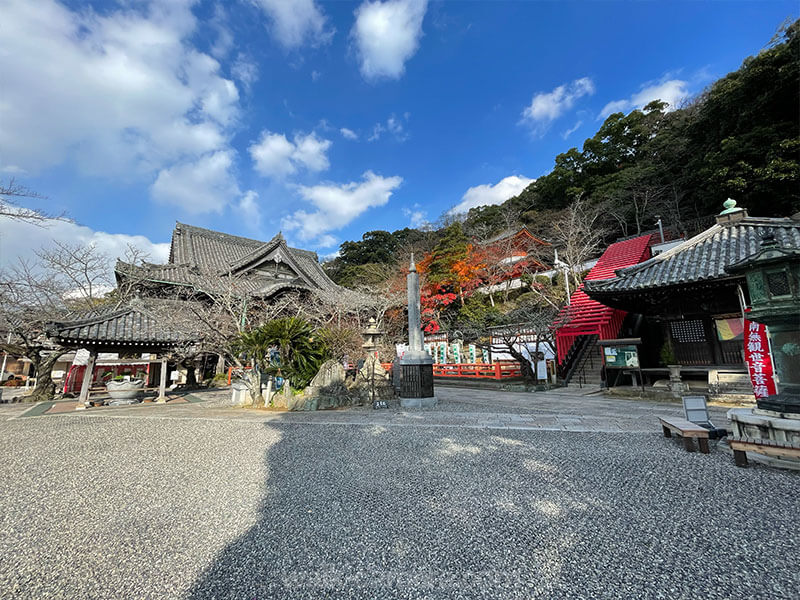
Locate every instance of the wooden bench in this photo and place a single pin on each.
(687, 430)
(767, 447)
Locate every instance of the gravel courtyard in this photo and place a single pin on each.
(171, 504)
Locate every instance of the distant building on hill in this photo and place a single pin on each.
(508, 256)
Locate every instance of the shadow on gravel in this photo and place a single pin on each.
(372, 512)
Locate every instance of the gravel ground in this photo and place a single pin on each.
(98, 507)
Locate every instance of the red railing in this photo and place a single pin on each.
(478, 371)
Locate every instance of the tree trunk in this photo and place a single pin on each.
(191, 378)
(45, 389)
(524, 364)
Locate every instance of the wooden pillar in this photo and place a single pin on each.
(83, 399)
(162, 386)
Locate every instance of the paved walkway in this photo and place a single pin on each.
(561, 410)
(489, 496)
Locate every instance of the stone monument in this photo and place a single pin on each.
(416, 366)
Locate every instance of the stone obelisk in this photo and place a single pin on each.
(416, 385)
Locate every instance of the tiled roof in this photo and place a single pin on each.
(200, 256)
(701, 258)
(141, 321)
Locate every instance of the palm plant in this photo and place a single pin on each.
(300, 351)
(254, 347)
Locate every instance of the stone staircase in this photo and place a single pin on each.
(587, 371)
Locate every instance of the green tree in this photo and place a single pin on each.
(451, 248)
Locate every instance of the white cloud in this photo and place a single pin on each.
(118, 94)
(416, 216)
(250, 209)
(202, 185)
(315, 75)
(377, 130)
(338, 205)
(22, 240)
(219, 24)
(276, 156)
(671, 91)
(310, 152)
(393, 125)
(132, 93)
(387, 34)
(571, 130)
(348, 133)
(548, 106)
(327, 241)
(486, 194)
(245, 71)
(295, 21)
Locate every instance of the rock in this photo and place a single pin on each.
(372, 373)
(330, 373)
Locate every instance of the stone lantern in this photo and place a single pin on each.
(773, 280)
(372, 336)
(773, 428)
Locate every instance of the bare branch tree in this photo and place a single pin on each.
(577, 237)
(54, 288)
(11, 192)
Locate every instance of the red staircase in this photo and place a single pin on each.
(585, 316)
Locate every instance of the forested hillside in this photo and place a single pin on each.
(740, 138)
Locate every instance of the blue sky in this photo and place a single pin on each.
(325, 119)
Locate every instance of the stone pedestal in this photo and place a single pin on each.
(416, 381)
(676, 385)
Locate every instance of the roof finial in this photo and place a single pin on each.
(729, 206)
(412, 268)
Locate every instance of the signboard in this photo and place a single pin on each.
(621, 357)
(759, 360)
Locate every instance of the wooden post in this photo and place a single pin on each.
(497, 373)
(162, 386)
(83, 399)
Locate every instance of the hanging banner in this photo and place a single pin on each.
(455, 352)
(759, 360)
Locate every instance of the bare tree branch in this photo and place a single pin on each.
(10, 192)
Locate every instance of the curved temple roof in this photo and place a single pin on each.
(699, 259)
(139, 323)
(198, 256)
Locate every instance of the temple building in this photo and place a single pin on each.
(688, 310)
(201, 260)
(202, 265)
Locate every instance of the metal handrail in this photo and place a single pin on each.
(582, 371)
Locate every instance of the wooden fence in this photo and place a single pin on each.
(498, 370)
